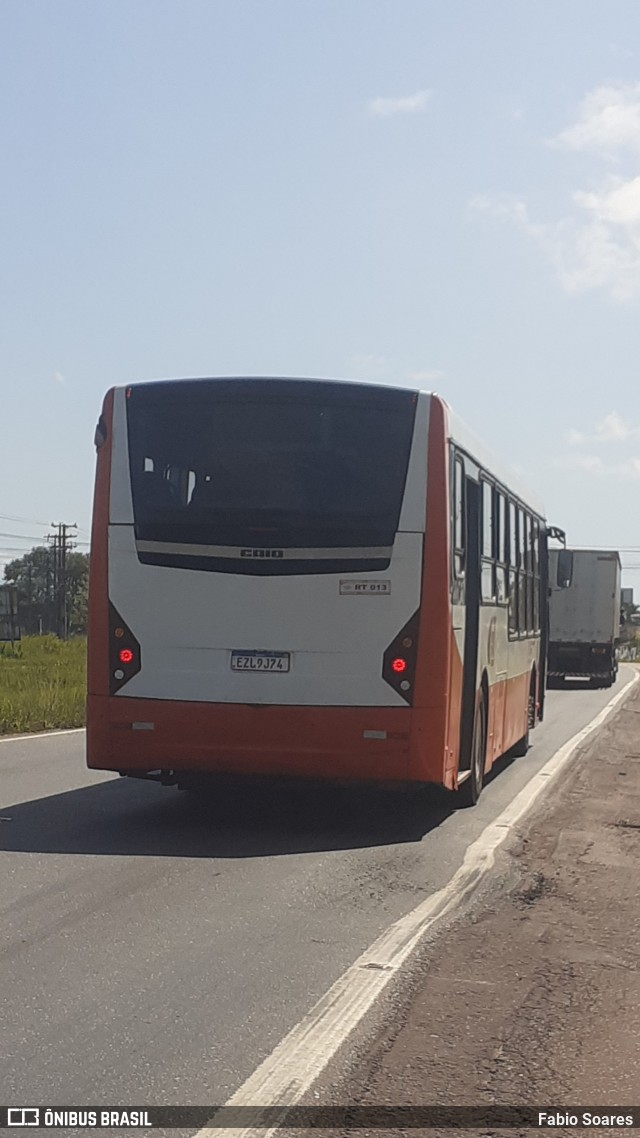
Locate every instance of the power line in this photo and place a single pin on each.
(41, 540)
(23, 536)
(16, 549)
(28, 521)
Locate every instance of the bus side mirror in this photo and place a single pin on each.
(557, 534)
(564, 574)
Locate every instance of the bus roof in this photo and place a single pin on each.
(465, 438)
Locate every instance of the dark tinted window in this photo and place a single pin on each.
(459, 521)
(272, 464)
(488, 520)
(489, 530)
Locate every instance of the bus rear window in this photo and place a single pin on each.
(272, 464)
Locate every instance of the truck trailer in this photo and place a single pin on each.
(584, 615)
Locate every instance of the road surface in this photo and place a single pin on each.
(156, 949)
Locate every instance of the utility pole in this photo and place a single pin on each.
(30, 616)
(61, 542)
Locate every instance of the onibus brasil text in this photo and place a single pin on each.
(98, 1118)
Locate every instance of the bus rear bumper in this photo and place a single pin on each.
(139, 736)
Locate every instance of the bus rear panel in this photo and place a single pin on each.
(264, 567)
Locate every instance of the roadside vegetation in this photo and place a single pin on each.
(42, 684)
(50, 599)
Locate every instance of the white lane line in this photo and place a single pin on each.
(26, 738)
(295, 1064)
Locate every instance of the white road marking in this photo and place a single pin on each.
(285, 1076)
(26, 738)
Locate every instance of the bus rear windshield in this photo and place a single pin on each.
(223, 469)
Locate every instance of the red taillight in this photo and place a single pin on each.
(124, 652)
(399, 660)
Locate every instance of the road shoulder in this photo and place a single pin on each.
(532, 994)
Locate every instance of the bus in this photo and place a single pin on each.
(316, 579)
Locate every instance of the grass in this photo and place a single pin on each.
(42, 684)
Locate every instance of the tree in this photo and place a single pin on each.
(34, 577)
(79, 608)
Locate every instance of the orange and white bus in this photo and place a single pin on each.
(309, 578)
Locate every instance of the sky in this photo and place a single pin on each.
(443, 194)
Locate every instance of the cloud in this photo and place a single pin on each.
(499, 205)
(611, 429)
(590, 462)
(625, 471)
(369, 366)
(595, 244)
(608, 121)
(598, 247)
(629, 469)
(615, 435)
(433, 376)
(621, 52)
(575, 438)
(405, 105)
(59, 378)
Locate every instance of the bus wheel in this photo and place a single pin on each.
(471, 788)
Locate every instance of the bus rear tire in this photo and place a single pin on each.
(471, 789)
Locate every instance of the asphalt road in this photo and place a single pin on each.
(155, 949)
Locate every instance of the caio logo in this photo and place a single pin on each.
(271, 553)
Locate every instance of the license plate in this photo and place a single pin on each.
(260, 661)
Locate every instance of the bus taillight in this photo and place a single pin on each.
(399, 660)
(124, 652)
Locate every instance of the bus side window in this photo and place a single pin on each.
(535, 561)
(529, 571)
(458, 520)
(488, 541)
(513, 570)
(502, 548)
(522, 575)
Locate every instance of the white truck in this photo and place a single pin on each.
(584, 615)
